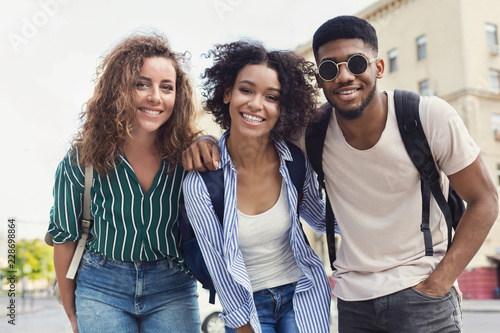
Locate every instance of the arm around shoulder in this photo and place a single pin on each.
(202, 155)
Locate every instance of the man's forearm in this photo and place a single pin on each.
(470, 235)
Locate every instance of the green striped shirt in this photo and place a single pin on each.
(129, 225)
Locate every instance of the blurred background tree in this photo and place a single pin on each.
(33, 260)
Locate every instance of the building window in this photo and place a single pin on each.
(491, 34)
(424, 88)
(494, 77)
(393, 56)
(422, 47)
(498, 173)
(495, 122)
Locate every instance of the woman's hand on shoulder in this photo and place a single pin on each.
(203, 154)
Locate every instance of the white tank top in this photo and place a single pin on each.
(264, 241)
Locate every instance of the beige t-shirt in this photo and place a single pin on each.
(375, 195)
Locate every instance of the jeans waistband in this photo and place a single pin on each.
(171, 262)
(275, 289)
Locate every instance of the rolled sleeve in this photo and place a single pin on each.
(451, 144)
(68, 196)
(238, 317)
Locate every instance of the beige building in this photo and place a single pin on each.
(447, 48)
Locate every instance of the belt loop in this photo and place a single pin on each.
(170, 263)
(103, 260)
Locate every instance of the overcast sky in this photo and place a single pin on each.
(49, 51)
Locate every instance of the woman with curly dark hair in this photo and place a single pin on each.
(132, 277)
(266, 275)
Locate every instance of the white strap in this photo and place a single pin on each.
(89, 173)
(85, 224)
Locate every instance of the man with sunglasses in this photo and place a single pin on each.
(385, 282)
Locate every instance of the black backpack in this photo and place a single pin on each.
(410, 127)
(214, 181)
(417, 146)
(315, 140)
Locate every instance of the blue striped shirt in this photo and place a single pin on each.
(129, 224)
(225, 263)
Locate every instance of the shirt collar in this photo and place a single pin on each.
(224, 154)
(281, 146)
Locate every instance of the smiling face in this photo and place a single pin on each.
(254, 101)
(154, 94)
(349, 94)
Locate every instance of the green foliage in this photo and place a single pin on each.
(32, 259)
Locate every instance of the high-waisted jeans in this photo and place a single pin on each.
(275, 310)
(117, 296)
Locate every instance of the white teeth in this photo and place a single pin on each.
(151, 111)
(347, 92)
(251, 118)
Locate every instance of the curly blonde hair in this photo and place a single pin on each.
(110, 114)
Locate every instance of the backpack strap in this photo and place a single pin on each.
(407, 113)
(315, 140)
(85, 225)
(214, 180)
(296, 167)
(297, 170)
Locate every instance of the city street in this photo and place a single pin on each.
(45, 315)
(37, 315)
(481, 322)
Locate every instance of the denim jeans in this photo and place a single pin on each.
(116, 296)
(408, 311)
(275, 310)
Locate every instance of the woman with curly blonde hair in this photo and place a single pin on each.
(132, 277)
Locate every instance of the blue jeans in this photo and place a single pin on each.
(275, 310)
(117, 296)
(408, 311)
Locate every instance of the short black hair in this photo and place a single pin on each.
(348, 27)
